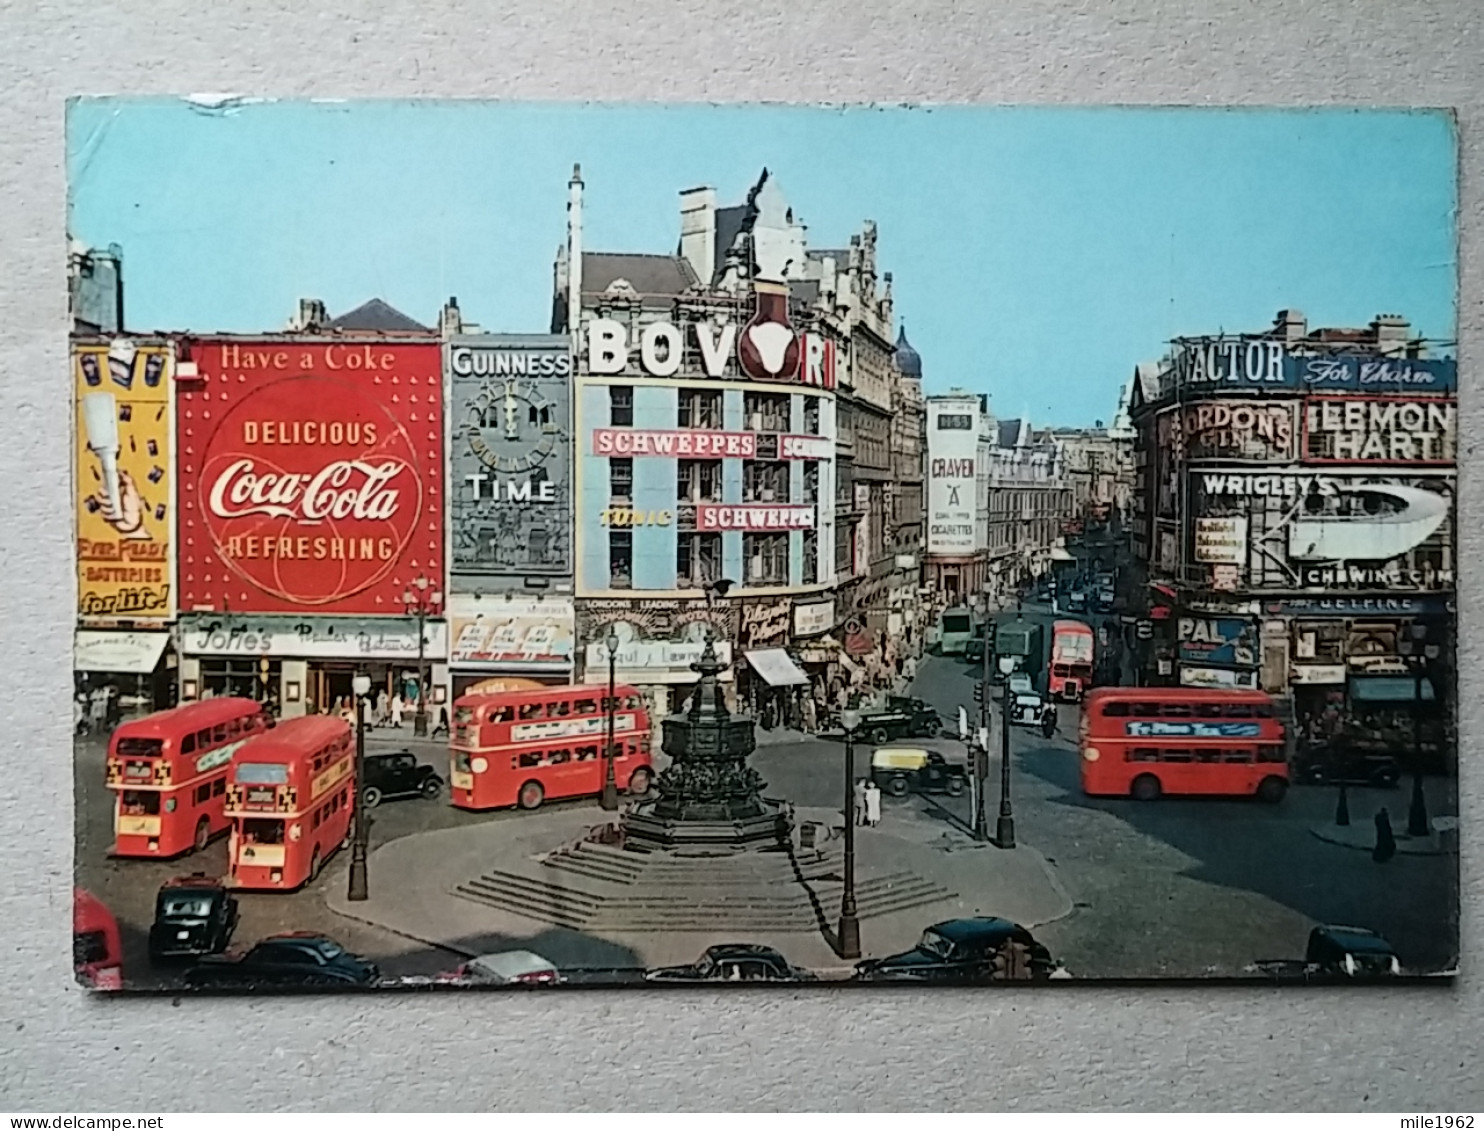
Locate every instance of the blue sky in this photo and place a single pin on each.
(1038, 253)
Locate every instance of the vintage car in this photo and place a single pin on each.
(965, 952)
(734, 962)
(505, 968)
(900, 718)
(1031, 709)
(1337, 953)
(983, 638)
(899, 770)
(194, 916)
(398, 775)
(1354, 764)
(297, 960)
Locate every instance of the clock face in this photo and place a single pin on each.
(510, 426)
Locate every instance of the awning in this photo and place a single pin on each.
(127, 653)
(1059, 554)
(776, 668)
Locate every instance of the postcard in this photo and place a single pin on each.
(567, 545)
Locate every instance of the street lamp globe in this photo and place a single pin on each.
(850, 719)
(361, 684)
(1007, 664)
(612, 643)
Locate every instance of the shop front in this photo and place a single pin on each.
(769, 682)
(305, 665)
(140, 665)
(510, 642)
(655, 642)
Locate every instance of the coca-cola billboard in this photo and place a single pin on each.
(310, 475)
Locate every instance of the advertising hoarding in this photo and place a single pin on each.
(311, 475)
(510, 455)
(124, 505)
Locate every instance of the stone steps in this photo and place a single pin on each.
(690, 907)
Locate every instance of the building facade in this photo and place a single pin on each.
(705, 449)
(1030, 506)
(311, 512)
(512, 621)
(124, 515)
(959, 427)
(1295, 516)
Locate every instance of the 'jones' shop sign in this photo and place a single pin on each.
(339, 638)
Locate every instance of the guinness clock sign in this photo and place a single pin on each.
(511, 454)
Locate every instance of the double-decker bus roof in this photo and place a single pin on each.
(295, 736)
(1175, 694)
(188, 717)
(541, 694)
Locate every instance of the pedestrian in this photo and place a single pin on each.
(367, 712)
(114, 708)
(79, 713)
(1385, 841)
(383, 708)
(397, 708)
(98, 709)
(811, 717)
(859, 816)
(873, 804)
(442, 727)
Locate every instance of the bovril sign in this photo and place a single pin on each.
(661, 347)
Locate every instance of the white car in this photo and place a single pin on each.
(506, 968)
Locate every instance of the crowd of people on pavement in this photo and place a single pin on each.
(385, 711)
(97, 710)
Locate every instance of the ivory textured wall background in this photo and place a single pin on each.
(1167, 1047)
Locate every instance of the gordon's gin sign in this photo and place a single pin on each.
(310, 476)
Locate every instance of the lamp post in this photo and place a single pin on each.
(609, 800)
(848, 937)
(420, 603)
(1005, 829)
(361, 685)
(1415, 653)
(981, 747)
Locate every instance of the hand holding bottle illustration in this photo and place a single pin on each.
(128, 517)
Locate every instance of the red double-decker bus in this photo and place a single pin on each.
(1071, 660)
(97, 952)
(289, 796)
(169, 771)
(523, 747)
(1143, 742)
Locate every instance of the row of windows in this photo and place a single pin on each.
(330, 753)
(1205, 709)
(765, 558)
(699, 480)
(702, 408)
(207, 790)
(210, 737)
(334, 805)
(1236, 755)
(565, 755)
(550, 709)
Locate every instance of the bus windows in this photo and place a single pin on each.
(218, 787)
(187, 744)
(203, 793)
(140, 747)
(586, 753)
(139, 803)
(1115, 710)
(586, 706)
(261, 830)
(530, 759)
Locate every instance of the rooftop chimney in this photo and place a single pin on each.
(1392, 332)
(451, 321)
(1291, 325)
(698, 231)
(312, 315)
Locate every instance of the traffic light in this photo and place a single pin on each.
(979, 691)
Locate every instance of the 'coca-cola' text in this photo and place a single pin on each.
(358, 489)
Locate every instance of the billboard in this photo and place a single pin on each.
(1395, 430)
(311, 475)
(124, 504)
(1215, 366)
(1245, 430)
(510, 455)
(953, 442)
(511, 634)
